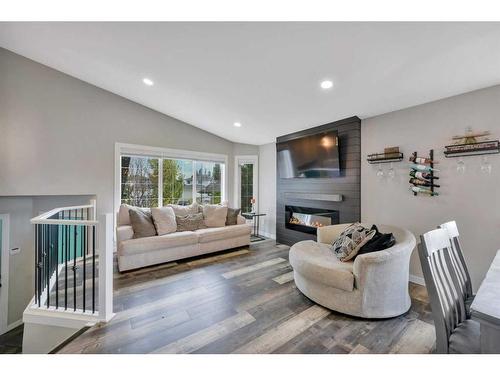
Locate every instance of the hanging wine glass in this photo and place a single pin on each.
(485, 165)
(380, 172)
(461, 166)
(391, 173)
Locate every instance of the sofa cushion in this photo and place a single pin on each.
(232, 216)
(164, 220)
(124, 232)
(214, 215)
(189, 222)
(142, 223)
(146, 244)
(316, 261)
(222, 233)
(179, 210)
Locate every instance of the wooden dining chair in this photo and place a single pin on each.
(454, 332)
(459, 265)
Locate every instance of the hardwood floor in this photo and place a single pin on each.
(11, 342)
(242, 301)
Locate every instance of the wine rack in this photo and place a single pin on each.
(427, 185)
(384, 158)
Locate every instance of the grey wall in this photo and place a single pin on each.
(348, 184)
(58, 133)
(471, 199)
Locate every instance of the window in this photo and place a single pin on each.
(139, 181)
(154, 181)
(177, 181)
(208, 182)
(246, 182)
(246, 191)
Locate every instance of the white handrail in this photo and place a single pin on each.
(44, 218)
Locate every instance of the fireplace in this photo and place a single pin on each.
(307, 219)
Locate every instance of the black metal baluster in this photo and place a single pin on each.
(66, 256)
(74, 267)
(56, 261)
(40, 263)
(93, 269)
(47, 262)
(36, 263)
(84, 251)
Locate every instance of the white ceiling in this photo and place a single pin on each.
(266, 75)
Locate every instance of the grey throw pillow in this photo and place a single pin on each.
(347, 245)
(142, 223)
(232, 216)
(189, 222)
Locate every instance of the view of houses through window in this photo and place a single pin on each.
(181, 180)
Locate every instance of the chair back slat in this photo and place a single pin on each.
(448, 308)
(458, 259)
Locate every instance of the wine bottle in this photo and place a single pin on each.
(419, 160)
(422, 190)
(416, 181)
(423, 168)
(422, 175)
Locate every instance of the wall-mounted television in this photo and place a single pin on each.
(312, 156)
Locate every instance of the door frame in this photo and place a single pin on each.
(239, 159)
(4, 296)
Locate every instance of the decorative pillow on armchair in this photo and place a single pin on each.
(347, 245)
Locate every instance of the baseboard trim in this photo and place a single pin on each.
(417, 280)
(268, 235)
(15, 324)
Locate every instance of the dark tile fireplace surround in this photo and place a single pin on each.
(306, 203)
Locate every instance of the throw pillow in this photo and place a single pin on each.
(214, 215)
(347, 245)
(179, 210)
(142, 222)
(380, 241)
(232, 216)
(164, 220)
(189, 222)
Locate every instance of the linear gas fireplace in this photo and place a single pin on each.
(307, 219)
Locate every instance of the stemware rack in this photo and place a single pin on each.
(384, 158)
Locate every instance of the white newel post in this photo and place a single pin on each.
(106, 267)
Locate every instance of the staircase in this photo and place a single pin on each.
(73, 276)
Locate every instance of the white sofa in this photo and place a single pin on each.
(374, 285)
(141, 252)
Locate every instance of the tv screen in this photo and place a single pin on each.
(314, 156)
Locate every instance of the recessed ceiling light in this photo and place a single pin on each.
(326, 84)
(237, 124)
(148, 82)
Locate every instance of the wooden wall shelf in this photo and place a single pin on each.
(385, 158)
(472, 149)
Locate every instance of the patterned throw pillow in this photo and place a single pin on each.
(189, 222)
(347, 245)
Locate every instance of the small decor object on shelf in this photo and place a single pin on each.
(422, 174)
(472, 144)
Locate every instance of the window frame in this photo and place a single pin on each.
(126, 149)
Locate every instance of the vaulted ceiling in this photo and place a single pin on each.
(267, 76)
